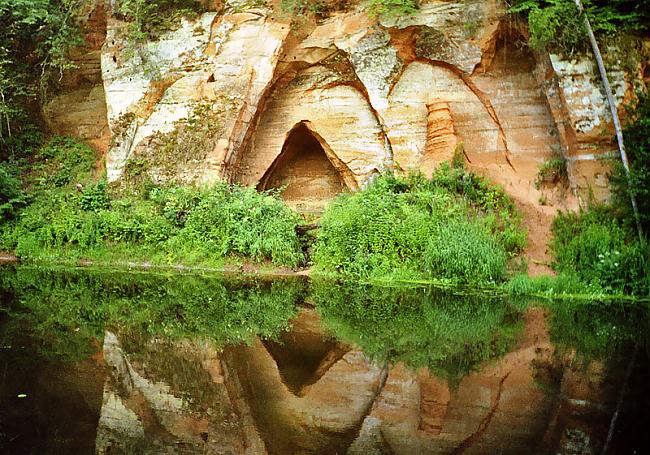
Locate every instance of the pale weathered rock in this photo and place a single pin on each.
(339, 114)
(583, 118)
(403, 92)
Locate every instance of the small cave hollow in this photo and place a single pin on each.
(304, 171)
(512, 54)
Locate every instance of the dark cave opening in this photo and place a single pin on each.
(304, 171)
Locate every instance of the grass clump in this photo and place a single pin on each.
(454, 226)
(553, 171)
(73, 216)
(465, 251)
(393, 8)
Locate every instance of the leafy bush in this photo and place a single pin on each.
(556, 25)
(79, 218)
(61, 161)
(12, 196)
(35, 37)
(95, 198)
(397, 227)
(637, 144)
(236, 220)
(595, 247)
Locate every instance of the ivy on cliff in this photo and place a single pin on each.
(149, 19)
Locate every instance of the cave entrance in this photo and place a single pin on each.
(512, 54)
(305, 171)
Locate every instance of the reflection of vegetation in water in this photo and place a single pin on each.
(597, 329)
(68, 309)
(448, 333)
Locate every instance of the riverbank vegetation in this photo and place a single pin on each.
(68, 214)
(597, 251)
(454, 227)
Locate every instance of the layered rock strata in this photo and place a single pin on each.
(403, 93)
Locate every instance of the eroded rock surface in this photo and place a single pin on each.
(402, 93)
(367, 88)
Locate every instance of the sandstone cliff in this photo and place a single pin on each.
(322, 106)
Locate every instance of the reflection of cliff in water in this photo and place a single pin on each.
(237, 401)
(361, 371)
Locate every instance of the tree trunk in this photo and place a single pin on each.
(612, 107)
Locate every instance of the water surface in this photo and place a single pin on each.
(125, 363)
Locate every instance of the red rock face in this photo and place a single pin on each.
(79, 108)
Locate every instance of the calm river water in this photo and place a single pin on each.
(106, 362)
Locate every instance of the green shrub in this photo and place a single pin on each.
(236, 220)
(95, 197)
(389, 229)
(165, 224)
(62, 161)
(595, 247)
(12, 196)
(637, 144)
(555, 25)
(35, 39)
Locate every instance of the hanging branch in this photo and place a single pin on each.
(612, 107)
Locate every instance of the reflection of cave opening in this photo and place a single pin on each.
(304, 170)
(304, 353)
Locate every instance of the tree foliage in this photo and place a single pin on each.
(148, 19)
(637, 144)
(35, 36)
(556, 25)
